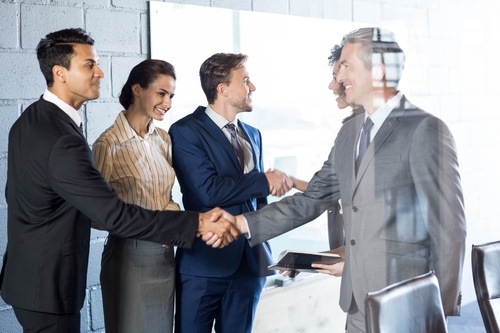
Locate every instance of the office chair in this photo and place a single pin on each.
(410, 306)
(486, 277)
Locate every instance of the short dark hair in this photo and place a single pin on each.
(57, 49)
(216, 70)
(335, 53)
(144, 74)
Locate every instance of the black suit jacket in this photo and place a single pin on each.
(53, 191)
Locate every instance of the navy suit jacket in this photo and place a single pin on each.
(210, 176)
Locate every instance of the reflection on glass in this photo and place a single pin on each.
(288, 63)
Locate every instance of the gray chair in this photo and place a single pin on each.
(409, 306)
(486, 277)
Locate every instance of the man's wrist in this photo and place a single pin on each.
(241, 223)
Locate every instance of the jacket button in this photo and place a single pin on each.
(355, 208)
(353, 242)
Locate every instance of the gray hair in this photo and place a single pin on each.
(379, 46)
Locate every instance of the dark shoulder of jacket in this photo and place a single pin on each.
(354, 114)
(196, 114)
(41, 116)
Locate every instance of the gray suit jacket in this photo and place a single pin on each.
(403, 211)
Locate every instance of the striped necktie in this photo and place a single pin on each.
(238, 149)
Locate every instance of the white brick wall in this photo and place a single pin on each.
(114, 31)
(120, 70)
(275, 7)
(233, 4)
(8, 29)
(18, 81)
(338, 10)
(39, 20)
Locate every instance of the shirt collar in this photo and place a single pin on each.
(69, 110)
(127, 132)
(218, 119)
(379, 116)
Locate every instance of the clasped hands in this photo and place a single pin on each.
(217, 228)
(279, 182)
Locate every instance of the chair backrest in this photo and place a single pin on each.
(409, 306)
(486, 275)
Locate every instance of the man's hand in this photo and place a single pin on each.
(292, 274)
(217, 227)
(335, 269)
(213, 240)
(279, 183)
(299, 184)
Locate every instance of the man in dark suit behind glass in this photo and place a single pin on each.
(53, 192)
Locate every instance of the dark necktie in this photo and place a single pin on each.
(238, 149)
(364, 141)
(81, 127)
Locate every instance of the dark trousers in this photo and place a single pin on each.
(229, 302)
(40, 322)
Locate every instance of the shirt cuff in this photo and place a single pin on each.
(248, 235)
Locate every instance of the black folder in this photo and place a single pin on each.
(301, 260)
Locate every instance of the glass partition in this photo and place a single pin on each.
(288, 63)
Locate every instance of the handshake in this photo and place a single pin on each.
(279, 182)
(218, 228)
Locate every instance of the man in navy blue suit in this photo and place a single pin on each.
(218, 162)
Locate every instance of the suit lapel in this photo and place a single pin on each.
(60, 114)
(353, 143)
(383, 133)
(249, 136)
(213, 132)
(77, 128)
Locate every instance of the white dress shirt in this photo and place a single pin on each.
(69, 110)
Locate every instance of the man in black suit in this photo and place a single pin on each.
(53, 192)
